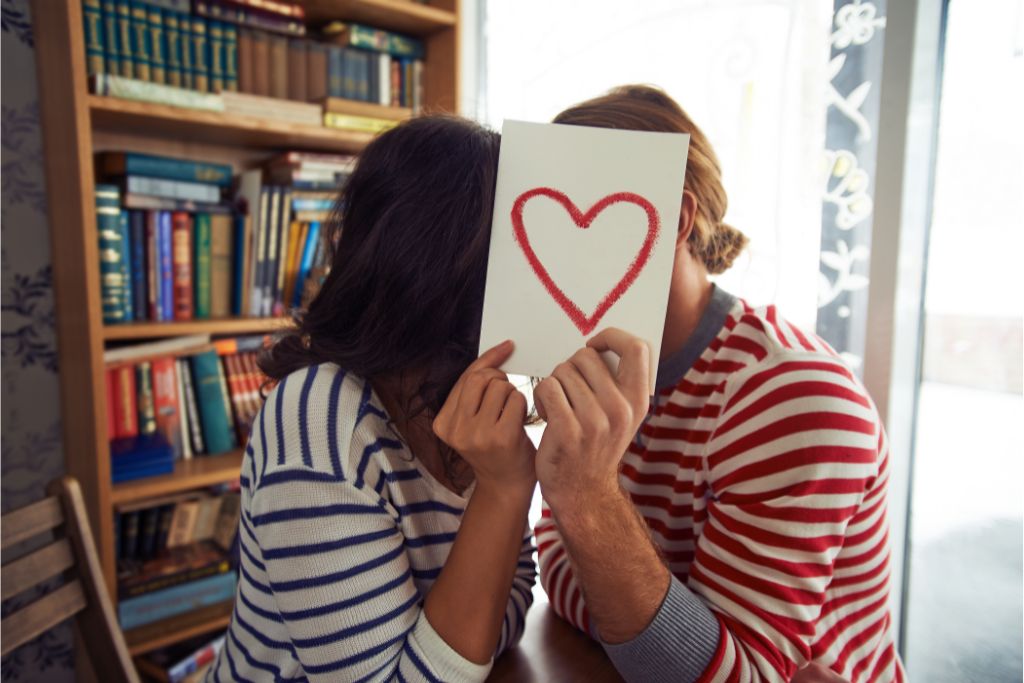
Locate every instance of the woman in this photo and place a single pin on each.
(363, 554)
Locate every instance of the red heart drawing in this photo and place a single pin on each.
(585, 323)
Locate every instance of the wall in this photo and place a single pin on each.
(30, 445)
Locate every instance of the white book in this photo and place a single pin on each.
(384, 78)
(181, 366)
(164, 347)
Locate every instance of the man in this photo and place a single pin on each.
(743, 534)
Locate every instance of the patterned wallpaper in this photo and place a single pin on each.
(30, 444)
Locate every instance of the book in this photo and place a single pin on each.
(358, 123)
(216, 52)
(201, 265)
(145, 455)
(220, 260)
(297, 240)
(206, 518)
(259, 259)
(336, 72)
(212, 402)
(172, 189)
(140, 40)
(145, 201)
(188, 79)
(227, 520)
(180, 662)
(240, 265)
(378, 40)
(171, 5)
(384, 79)
(95, 43)
(246, 238)
(316, 71)
(245, 61)
(191, 408)
(300, 203)
(368, 109)
(230, 57)
(239, 398)
(112, 253)
(124, 243)
(269, 283)
(279, 67)
(168, 602)
(200, 55)
(111, 48)
(185, 435)
(134, 89)
(201, 173)
(163, 525)
(157, 44)
(153, 289)
(176, 566)
(109, 394)
(297, 65)
(244, 104)
(147, 533)
(172, 48)
(348, 72)
(166, 269)
(225, 398)
(126, 417)
(242, 16)
(144, 386)
(181, 223)
(166, 404)
(126, 59)
(183, 523)
(137, 247)
(286, 9)
(308, 252)
(130, 534)
(260, 63)
(150, 350)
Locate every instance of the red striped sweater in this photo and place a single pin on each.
(762, 476)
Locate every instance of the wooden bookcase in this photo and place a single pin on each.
(76, 125)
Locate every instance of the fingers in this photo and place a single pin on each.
(551, 396)
(513, 413)
(474, 385)
(493, 357)
(494, 400)
(595, 371)
(634, 369)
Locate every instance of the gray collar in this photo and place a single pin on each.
(672, 369)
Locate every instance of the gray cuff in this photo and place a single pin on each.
(678, 645)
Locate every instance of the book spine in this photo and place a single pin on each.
(125, 403)
(144, 384)
(172, 49)
(245, 61)
(137, 243)
(308, 251)
(165, 402)
(111, 252)
(242, 17)
(111, 49)
(279, 67)
(140, 41)
(153, 290)
(125, 244)
(182, 264)
(130, 534)
(147, 533)
(95, 41)
(164, 525)
(417, 86)
(363, 76)
(361, 123)
(192, 408)
(163, 581)
(220, 259)
(335, 72)
(216, 52)
(202, 265)
(183, 523)
(285, 9)
(185, 48)
(225, 398)
(317, 79)
(260, 63)
(157, 45)
(173, 189)
(358, 35)
(200, 55)
(125, 49)
(166, 267)
(297, 74)
(110, 394)
(256, 296)
(153, 167)
(270, 269)
(176, 600)
(238, 271)
(213, 409)
(237, 393)
(296, 242)
(396, 83)
(227, 520)
(230, 58)
(349, 89)
(185, 436)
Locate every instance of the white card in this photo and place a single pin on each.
(583, 238)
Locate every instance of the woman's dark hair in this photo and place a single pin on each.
(406, 285)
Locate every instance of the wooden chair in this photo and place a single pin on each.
(82, 595)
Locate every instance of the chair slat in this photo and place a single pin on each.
(36, 567)
(41, 615)
(30, 521)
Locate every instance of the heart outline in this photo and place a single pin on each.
(584, 323)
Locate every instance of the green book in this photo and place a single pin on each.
(172, 46)
(144, 391)
(185, 49)
(201, 263)
(140, 41)
(92, 18)
(214, 409)
(230, 57)
(200, 56)
(111, 50)
(157, 46)
(216, 52)
(124, 244)
(112, 252)
(124, 38)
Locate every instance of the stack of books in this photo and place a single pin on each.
(175, 554)
(196, 396)
(165, 255)
(185, 662)
(243, 51)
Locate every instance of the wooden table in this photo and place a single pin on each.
(552, 651)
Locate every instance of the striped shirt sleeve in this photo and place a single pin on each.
(521, 597)
(556, 575)
(341, 580)
(794, 451)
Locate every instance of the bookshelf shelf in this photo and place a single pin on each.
(168, 631)
(151, 330)
(114, 115)
(404, 16)
(197, 472)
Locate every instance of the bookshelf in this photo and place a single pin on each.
(75, 126)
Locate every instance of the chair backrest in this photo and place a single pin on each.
(82, 595)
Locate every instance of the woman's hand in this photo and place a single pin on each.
(483, 421)
(592, 416)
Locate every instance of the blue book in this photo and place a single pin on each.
(214, 403)
(141, 40)
(145, 455)
(185, 49)
(311, 204)
(215, 40)
(200, 55)
(111, 49)
(125, 51)
(166, 267)
(238, 268)
(230, 59)
(335, 72)
(127, 272)
(308, 251)
(169, 602)
(137, 244)
(111, 252)
(152, 166)
(157, 45)
(95, 45)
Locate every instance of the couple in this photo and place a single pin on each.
(731, 527)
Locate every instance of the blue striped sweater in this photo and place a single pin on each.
(342, 535)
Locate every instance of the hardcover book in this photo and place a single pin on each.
(214, 411)
(152, 166)
(165, 402)
(201, 265)
(221, 256)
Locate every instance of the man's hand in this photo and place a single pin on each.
(592, 415)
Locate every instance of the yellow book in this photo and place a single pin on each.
(361, 123)
(295, 244)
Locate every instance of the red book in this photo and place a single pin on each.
(254, 379)
(126, 416)
(236, 389)
(165, 402)
(108, 375)
(181, 235)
